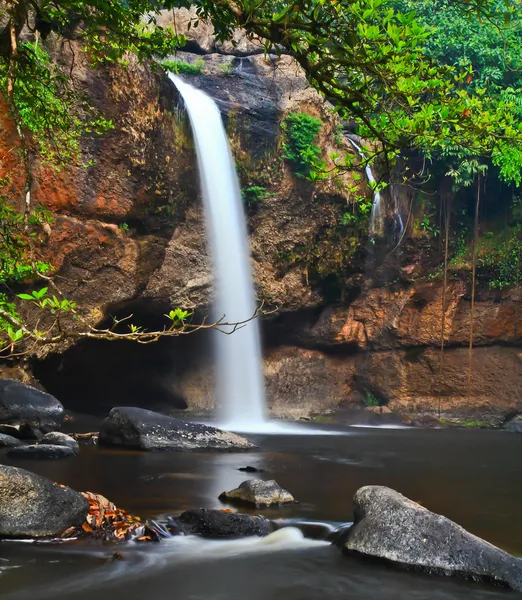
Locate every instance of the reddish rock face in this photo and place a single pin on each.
(411, 316)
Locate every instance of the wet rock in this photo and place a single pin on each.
(41, 451)
(514, 425)
(221, 524)
(428, 422)
(8, 441)
(259, 493)
(147, 430)
(389, 526)
(249, 469)
(24, 405)
(33, 506)
(56, 438)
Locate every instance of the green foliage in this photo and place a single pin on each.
(184, 68)
(226, 68)
(41, 299)
(49, 107)
(361, 206)
(429, 220)
(16, 263)
(501, 258)
(178, 316)
(490, 51)
(254, 194)
(371, 400)
(124, 227)
(299, 148)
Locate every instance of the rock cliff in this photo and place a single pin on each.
(128, 237)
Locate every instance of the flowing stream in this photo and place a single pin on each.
(240, 386)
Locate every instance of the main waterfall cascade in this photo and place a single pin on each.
(240, 393)
(240, 386)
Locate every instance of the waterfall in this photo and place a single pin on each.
(240, 386)
(376, 216)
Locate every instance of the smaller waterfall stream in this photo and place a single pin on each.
(376, 216)
(240, 385)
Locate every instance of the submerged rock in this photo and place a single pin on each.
(259, 493)
(389, 526)
(212, 523)
(249, 469)
(143, 429)
(24, 405)
(61, 439)
(41, 451)
(33, 506)
(8, 441)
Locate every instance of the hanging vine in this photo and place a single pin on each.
(473, 278)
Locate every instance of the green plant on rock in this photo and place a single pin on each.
(226, 68)
(371, 400)
(300, 148)
(183, 67)
(254, 194)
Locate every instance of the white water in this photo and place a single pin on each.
(376, 216)
(240, 386)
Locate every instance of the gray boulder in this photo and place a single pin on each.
(33, 506)
(24, 405)
(515, 425)
(41, 451)
(8, 441)
(61, 439)
(258, 493)
(220, 524)
(142, 429)
(389, 526)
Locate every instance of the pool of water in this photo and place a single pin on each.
(473, 477)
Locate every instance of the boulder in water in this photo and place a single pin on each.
(259, 493)
(143, 429)
(8, 441)
(32, 506)
(213, 523)
(41, 451)
(24, 405)
(391, 527)
(56, 438)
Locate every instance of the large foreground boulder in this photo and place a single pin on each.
(142, 429)
(213, 523)
(24, 405)
(258, 493)
(32, 506)
(389, 526)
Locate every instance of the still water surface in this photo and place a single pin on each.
(473, 477)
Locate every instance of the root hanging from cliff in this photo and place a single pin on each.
(473, 277)
(447, 209)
